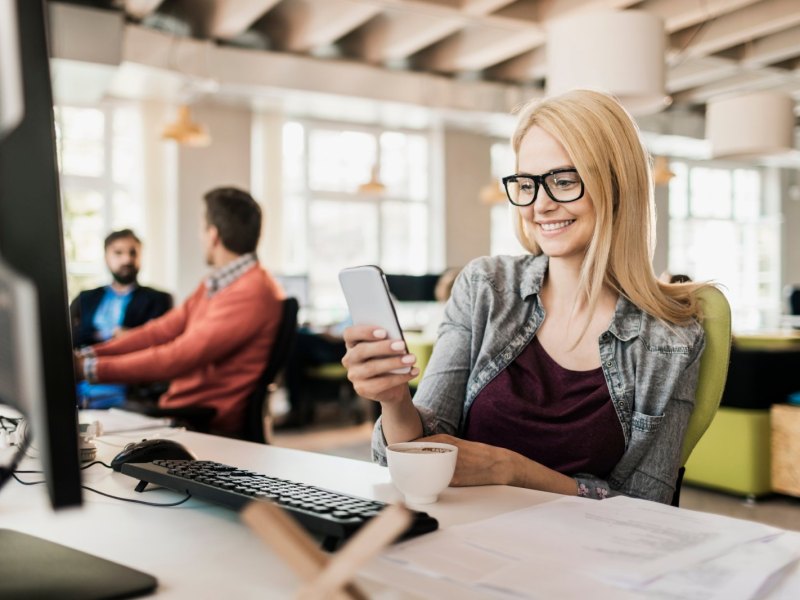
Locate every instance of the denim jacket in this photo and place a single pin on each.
(650, 367)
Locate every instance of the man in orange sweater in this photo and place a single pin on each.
(215, 346)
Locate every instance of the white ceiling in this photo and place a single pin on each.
(470, 62)
(715, 46)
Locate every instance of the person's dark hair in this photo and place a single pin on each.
(120, 235)
(236, 216)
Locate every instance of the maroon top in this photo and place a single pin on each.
(560, 418)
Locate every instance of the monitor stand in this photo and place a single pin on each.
(31, 567)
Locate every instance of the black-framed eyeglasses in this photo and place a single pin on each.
(562, 185)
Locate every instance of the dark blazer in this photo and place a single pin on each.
(146, 304)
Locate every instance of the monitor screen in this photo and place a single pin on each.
(32, 247)
(412, 288)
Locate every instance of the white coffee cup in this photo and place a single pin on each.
(420, 470)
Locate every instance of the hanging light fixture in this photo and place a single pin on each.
(619, 52)
(186, 131)
(750, 126)
(661, 171)
(374, 186)
(492, 193)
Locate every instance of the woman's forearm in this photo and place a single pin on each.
(400, 421)
(533, 475)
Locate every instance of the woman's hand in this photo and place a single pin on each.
(369, 360)
(478, 464)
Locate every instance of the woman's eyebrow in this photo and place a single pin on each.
(548, 171)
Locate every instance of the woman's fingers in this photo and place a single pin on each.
(365, 351)
(375, 387)
(377, 367)
(363, 333)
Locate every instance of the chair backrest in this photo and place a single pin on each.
(284, 340)
(713, 367)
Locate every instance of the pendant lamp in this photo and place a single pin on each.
(751, 125)
(186, 131)
(619, 52)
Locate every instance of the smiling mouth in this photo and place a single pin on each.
(556, 226)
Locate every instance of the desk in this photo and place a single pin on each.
(199, 551)
(193, 549)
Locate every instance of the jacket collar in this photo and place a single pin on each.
(627, 320)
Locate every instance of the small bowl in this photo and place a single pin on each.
(421, 470)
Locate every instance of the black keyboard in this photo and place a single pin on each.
(332, 515)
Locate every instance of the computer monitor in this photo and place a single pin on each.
(32, 248)
(413, 288)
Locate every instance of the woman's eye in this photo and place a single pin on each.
(564, 182)
(526, 187)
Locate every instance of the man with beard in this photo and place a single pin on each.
(103, 313)
(213, 347)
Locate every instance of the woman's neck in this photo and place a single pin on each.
(562, 282)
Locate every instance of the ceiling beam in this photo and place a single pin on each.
(394, 36)
(483, 7)
(555, 9)
(700, 71)
(772, 48)
(248, 73)
(680, 14)
(139, 9)
(754, 21)
(302, 25)
(529, 66)
(229, 18)
(742, 82)
(478, 48)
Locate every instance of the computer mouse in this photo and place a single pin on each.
(150, 450)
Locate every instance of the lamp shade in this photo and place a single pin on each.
(752, 125)
(185, 131)
(619, 52)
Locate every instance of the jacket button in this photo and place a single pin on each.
(609, 363)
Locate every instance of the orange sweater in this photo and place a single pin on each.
(212, 349)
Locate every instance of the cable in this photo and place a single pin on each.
(83, 468)
(86, 487)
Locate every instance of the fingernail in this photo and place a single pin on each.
(415, 371)
(398, 346)
(408, 358)
(379, 333)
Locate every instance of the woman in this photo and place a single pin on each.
(570, 370)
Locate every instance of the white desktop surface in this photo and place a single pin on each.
(197, 550)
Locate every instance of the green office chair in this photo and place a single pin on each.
(713, 374)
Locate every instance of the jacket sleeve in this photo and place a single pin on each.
(655, 475)
(153, 333)
(441, 393)
(225, 327)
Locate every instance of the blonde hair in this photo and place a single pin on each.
(603, 142)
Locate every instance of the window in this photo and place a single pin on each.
(335, 225)
(99, 157)
(503, 238)
(722, 229)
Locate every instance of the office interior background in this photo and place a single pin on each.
(303, 101)
(375, 131)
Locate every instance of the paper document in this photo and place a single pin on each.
(616, 548)
(115, 420)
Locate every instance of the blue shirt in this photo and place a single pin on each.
(109, 315)
(111, 312)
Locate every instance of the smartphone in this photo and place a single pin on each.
(369, 302)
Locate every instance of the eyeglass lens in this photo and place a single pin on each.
(564, 186)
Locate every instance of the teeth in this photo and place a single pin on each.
(554, 226)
